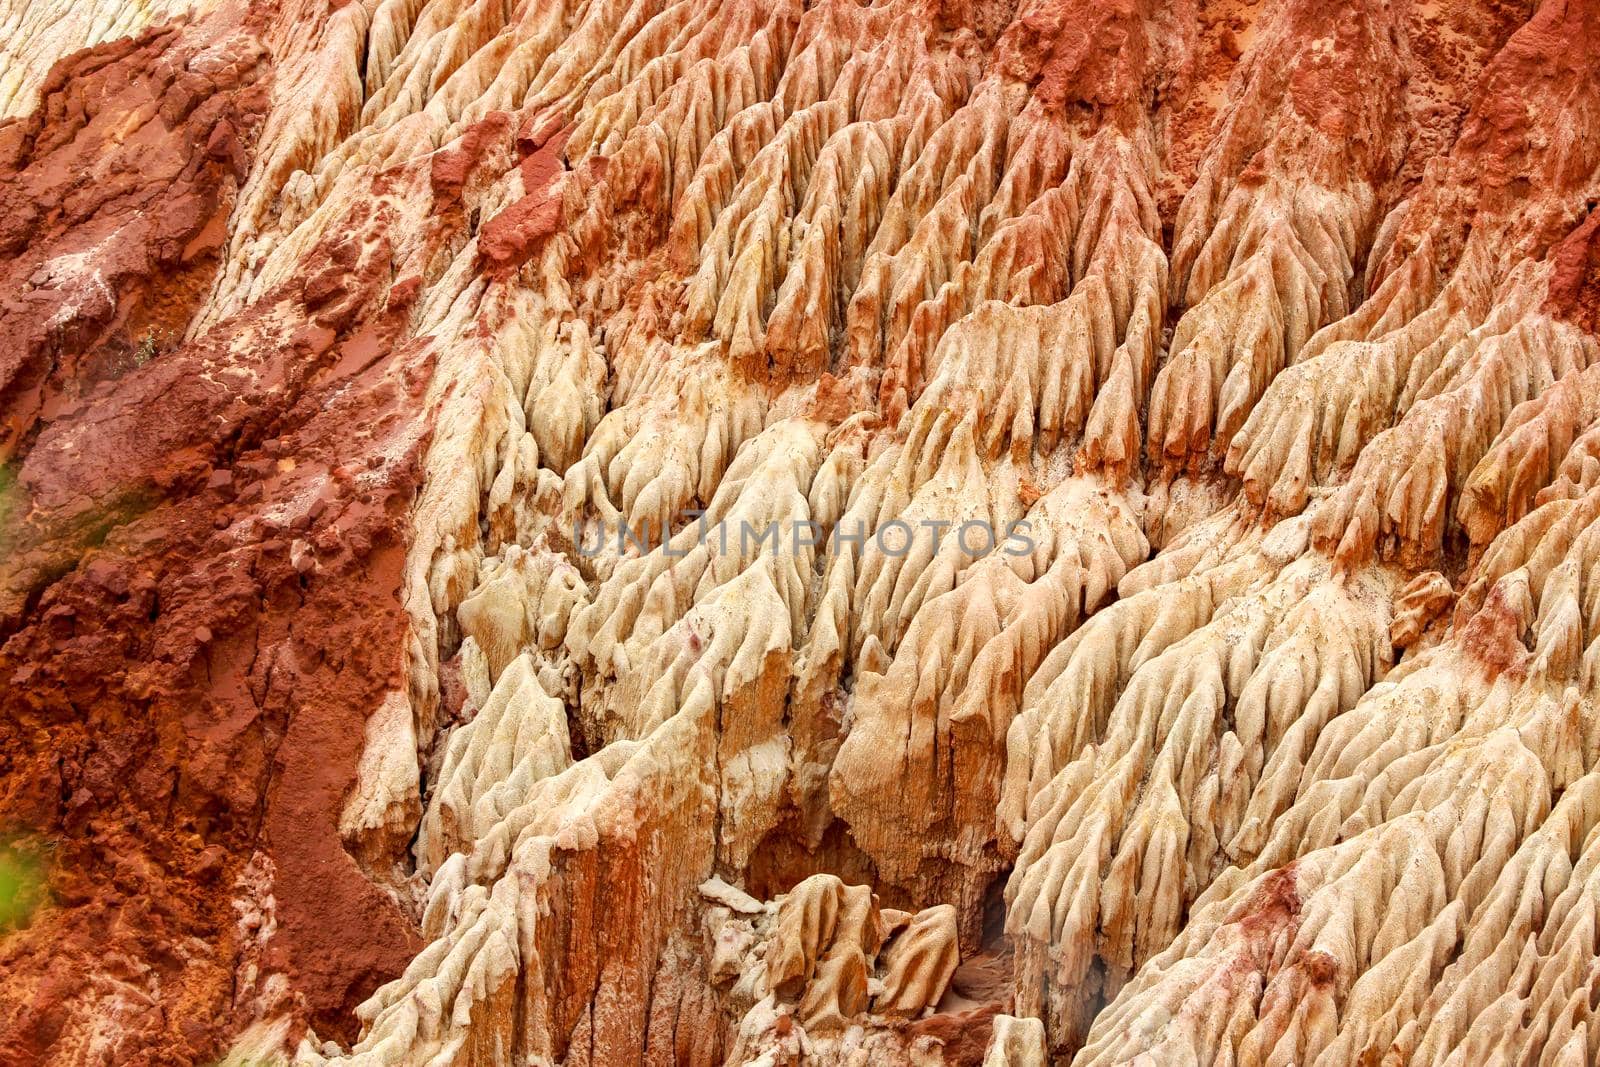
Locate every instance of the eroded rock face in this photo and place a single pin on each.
(597, 532)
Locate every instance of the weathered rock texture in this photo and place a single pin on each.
(343, 339)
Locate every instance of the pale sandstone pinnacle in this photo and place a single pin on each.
(390, 677)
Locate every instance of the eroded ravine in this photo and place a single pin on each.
(1272, 324)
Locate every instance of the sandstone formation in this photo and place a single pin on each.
(1170, 432)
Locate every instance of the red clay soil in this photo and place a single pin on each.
(1575, 277)
(200, 554)
(114, 198)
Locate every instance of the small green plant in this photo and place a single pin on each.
(7, 492)
(146, 350)
(22, 882)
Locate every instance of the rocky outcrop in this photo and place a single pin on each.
(687, 531)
